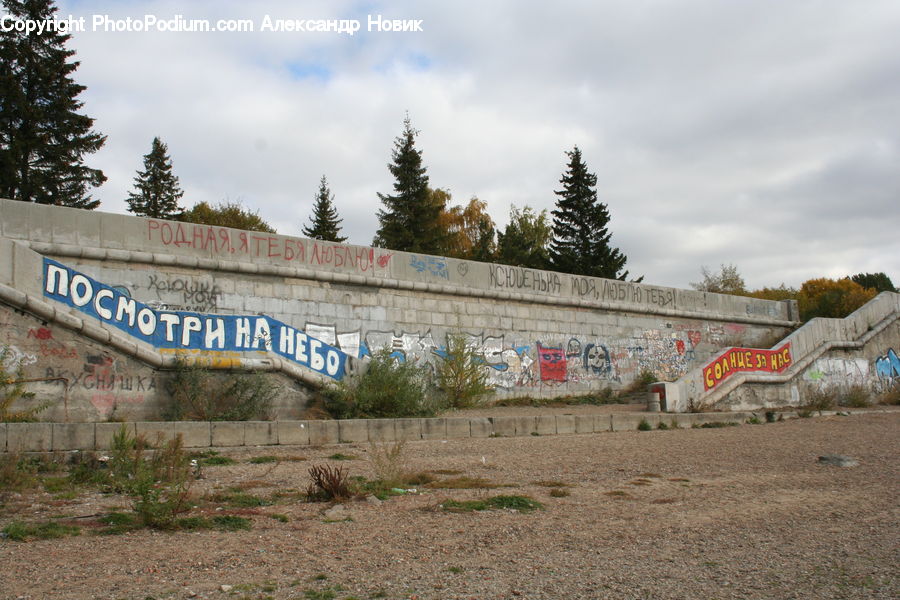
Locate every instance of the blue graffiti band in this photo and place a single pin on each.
(189, 330)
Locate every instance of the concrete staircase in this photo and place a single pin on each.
(817, 338)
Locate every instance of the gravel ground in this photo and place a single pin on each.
(738, 512)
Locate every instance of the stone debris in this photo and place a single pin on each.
(838, 460)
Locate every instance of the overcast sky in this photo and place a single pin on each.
(765, 134)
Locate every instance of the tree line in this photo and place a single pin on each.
(818, 297)
(44, 140)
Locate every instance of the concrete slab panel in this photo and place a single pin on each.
(525, 425)
(565, 424)
(323, 432)
(602, 423)
(29, 437)
(382, 430)
(293, 433)
(104, 433)
(227, 434)
(503, 426)
(157, 433)
(630, 421)
(353, 431)
(408, 429)
(479, 427)
(545, 424)
(434, 429)
(459, 427)
(584, 423)
(73, 436)
(194, 434)
(260, 433)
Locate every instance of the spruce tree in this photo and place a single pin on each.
(580, 242)
(156, 187)
(324, 222)
(43, 138)
(410, 221)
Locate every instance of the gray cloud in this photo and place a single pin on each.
(763, 134)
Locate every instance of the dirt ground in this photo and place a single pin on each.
(737, 512)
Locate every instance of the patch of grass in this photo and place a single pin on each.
(193, 523)
(522, 504)
(20, 532)
(890, 396)
(715, 425)
(754, 420)
(679, 479)
(818, 398)
(15, 473)
(230, 522)
(279, 517)
(325, 594)
(617, 494)
(654, 475)
(662, 426)
(261, 460)
(239, 499)
(551, 483)
(463, 483)
(118, 523)
(341, 456)
(446, 471)
(455, 570)
(640, 482)
(217, 461)
(644, 425)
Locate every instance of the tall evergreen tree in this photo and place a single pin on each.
(410, 220)
(156, 188)
(324, 222)
(580, 242)
(43, 138)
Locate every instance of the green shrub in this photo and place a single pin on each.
(855, 396)
(462, 377)
(819, 398)
(387, 389)
(199, 395)
(328, 483)
(20, 532)
(644, 425)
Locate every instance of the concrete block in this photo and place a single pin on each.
(459, 427)
(382, 430)
(224, 433)
(157, 433)
(630, 421)
(434, 429)
(29, 437)
(565, 424)
(194, 434)
(323, 432)
(584, 423)
(73, 436)
(545, 424)
(104, 433)
(293, 433)
(602, 423)
(260, 433)
(6, 261)
(353, 430)
(479, 427)
(2, 437)
(503, 426)
(408, 429)
(525, 425)
(681, 420)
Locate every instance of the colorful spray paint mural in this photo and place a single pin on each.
(180, 330)
(887, 366)
(736, 360)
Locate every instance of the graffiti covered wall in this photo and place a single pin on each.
(164, 288)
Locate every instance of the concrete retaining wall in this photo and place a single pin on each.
(310, 311)
(59, 437)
